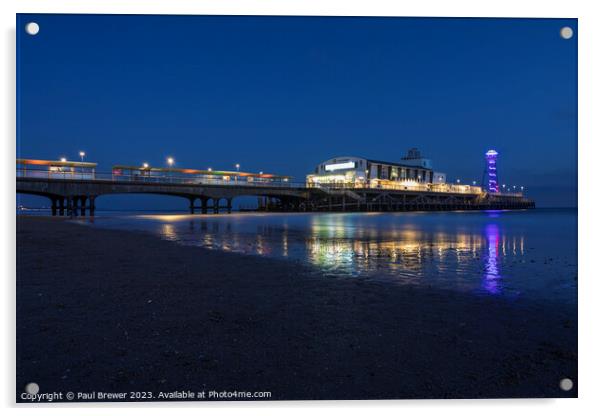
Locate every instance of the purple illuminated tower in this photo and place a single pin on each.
(492, 183)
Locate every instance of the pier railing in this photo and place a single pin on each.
(420, 187)
(154, 179)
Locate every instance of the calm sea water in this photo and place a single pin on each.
(500, 253)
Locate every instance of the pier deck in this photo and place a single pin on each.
(74, 196)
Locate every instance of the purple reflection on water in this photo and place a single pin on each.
(492, 273)
(493, 213)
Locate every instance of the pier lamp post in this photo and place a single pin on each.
(237, 167)
(503, 187)
(170, 163)
(63, 159)
(82, 154)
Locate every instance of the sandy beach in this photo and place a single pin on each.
(114, 311)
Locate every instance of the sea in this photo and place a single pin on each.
(515, 254)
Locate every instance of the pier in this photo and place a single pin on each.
(74, 187)
(79, 196)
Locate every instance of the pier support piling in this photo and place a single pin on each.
(83, 205)
(54, 202)
(92, 205)
(70, 203)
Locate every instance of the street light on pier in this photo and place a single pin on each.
(237, 170)
(170, 163)
(63, 159)
(82, 154)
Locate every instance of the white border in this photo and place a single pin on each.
(590, 137)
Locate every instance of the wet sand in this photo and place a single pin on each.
(114, 311)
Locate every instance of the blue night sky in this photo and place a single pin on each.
(282, 94)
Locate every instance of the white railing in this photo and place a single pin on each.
(164, 179)
(419, 187)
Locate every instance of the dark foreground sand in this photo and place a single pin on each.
(112, 311)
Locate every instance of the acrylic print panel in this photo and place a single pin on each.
(295, 208)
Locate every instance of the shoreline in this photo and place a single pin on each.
(110, 310)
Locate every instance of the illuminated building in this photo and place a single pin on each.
(209, 175)
(412, 171)
(55, 169)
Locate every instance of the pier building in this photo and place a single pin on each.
(148, 173)
(413, 172)
(55, 169)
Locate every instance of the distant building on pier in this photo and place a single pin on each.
(185, 175)
(413, 170)
(55, 169)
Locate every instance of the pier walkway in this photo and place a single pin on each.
(73, 195)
